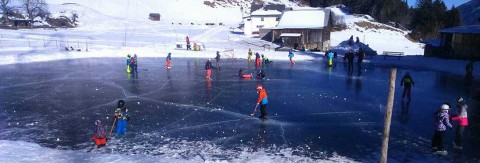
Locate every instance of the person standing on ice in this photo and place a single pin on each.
(128, 64)
(330, 59)
(262, 101)
(99, 136)
(361, 56)
(407, 83)
(462, 119)
(217, 58)
(257, 59)
(169, 60)
(132, 65)
(135, 63)
(441, 118)
(350, 57)
(250, 53)
(188, 43)
(208, 68)
(291, 55)
(121, 116)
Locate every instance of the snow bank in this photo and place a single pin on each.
(377, 36)
(18, 151)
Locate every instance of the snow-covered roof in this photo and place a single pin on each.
(473, 29)
(304, 19)
(262, 12)
(290, 35)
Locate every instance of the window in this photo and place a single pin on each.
(262, 19)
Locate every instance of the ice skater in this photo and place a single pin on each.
(208, 69)
(441, 118)
(242, 75)
(265, 60)
(361, 56)
(349, 57)
(169, 61)
(262, 101)
(217, 58)
(121, 116)
(132, 65)
(135, 63)
(407, 83)
(249, 55)
(462, 119)
(260, 74)
(188, 43)
(290, 56)
(330, 59)
(128, 64)
(257, 59)
(99, 136)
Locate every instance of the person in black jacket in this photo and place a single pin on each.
(407, 83)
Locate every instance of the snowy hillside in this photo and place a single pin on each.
(470, 12)
(377, 36)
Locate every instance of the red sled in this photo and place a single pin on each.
(247, 76)
(100, 142)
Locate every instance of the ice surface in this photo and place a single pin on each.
(316, 113)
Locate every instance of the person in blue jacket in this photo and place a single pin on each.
(330, 59)
(291, 55)
(121, 116)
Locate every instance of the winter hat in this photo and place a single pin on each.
(445, 107)
(98, 122)
(128, 55)
(460, 101)
(259, 86)
(218, 52)
(121, 103)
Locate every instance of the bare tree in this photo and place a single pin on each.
(3, 5)
(35, 8)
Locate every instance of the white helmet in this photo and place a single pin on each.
(445, 107)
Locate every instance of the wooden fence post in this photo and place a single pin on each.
(388, 115)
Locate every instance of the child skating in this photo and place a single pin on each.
(250, 53)
(291, 55)
(208, 69)
(262, 101)
(169, 61)
(441, 118)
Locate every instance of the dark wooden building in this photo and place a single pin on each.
(461, 42)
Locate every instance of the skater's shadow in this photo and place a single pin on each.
(403, 119)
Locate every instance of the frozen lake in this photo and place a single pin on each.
(315, 112)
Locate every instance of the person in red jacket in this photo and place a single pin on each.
(208, 68)
(462, 119)
(99, 137)
(262, 101)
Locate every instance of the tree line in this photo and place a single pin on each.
(425, 19)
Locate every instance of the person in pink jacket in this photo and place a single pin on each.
(462, 119)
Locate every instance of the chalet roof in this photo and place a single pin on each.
(472, 29)
(278, 7)
(304, 19)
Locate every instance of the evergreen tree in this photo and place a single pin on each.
(452, 18)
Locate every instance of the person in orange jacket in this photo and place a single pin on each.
(262, 101)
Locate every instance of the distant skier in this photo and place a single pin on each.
(441, 118)
(265, 60)
(188, 43)
(249, 55)
(330, 59)
(291, 55)
(242, 75)
(217, 58)
(122, 117)
(99, 136)
(208, 68)
(257, 59)
(260, 74)
(262, 101)
(407, 83)
(462, 119)
(469, 69)
(169, 61)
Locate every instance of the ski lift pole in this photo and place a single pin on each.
(388, 115)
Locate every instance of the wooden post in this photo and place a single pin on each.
(388, 115)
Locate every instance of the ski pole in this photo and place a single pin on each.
(113, 125)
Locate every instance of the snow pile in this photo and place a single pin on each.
(377, 36)
(18, 151)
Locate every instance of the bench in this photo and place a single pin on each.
(392, 54)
